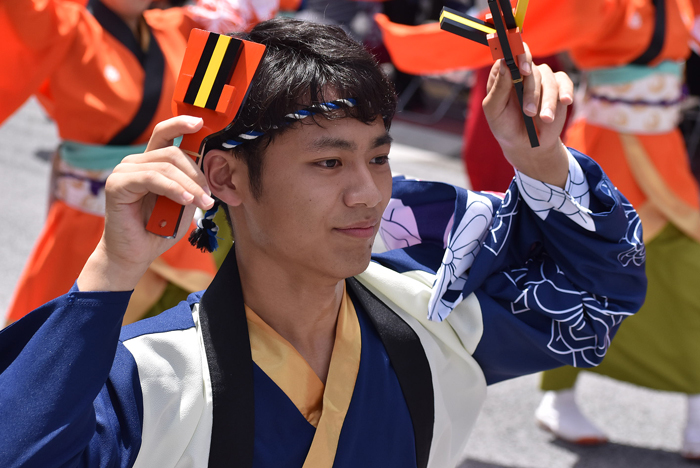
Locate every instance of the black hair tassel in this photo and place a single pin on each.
(204, 236)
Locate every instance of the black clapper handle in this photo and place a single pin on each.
(513, 67)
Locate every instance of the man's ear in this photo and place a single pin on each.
(226, 176)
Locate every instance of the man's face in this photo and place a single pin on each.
(324, 189)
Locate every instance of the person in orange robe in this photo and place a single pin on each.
(632, 54)
(105, 72)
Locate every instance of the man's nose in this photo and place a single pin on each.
(362, 188)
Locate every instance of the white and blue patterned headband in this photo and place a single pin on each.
(291, 118)
(204, 237)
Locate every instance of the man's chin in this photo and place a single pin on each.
(356, 264)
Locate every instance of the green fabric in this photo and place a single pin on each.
(561, 378)
(628, 73)
(659, 347)
(95, 157)
(225, 237)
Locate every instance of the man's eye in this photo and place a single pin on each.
(380, 160)
(329, 163)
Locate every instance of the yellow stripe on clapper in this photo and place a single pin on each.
(467, 22)
(212, 69)
(520, 10)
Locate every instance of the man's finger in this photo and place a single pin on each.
(493, 75)
(550, 94)
(127, 188)
(498, 94)
(196, 188)
(532, 86)
(166, 131)
(525, 64)
(566, 88)
(170, 155)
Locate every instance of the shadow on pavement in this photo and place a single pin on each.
(610, 455)
(44, 155)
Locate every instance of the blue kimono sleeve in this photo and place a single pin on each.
(69, 390)
(555, 271)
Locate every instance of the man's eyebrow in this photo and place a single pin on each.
(328, 142)
(385, 139)
(340, 143)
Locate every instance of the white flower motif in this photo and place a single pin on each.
(463, 244)
(399, 228)
(637, 252)
(581, 322)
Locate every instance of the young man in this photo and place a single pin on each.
(303, 352)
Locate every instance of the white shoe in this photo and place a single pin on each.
(691, 435)
(559, 414)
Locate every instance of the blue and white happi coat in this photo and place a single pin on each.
(493, 287)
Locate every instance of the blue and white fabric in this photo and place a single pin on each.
(494, 286)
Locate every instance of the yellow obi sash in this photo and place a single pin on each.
(323, 406)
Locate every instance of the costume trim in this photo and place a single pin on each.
(229, 356)
(658, 37)
(410, 363)
(283, 364)
(227, 346)
(153, 63)
(340, 386)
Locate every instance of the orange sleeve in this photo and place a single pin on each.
(551, 26)
(42, 24)
(35, 36)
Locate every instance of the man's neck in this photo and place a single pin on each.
(302, 308)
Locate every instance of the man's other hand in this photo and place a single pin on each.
(546, 96)
(126, 249)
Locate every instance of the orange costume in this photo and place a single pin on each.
(632, 54)
(106, 91)
(598, 34)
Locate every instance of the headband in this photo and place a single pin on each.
(204, 236)
(289, 119)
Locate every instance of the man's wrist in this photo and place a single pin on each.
(548, 165)
(104, 273)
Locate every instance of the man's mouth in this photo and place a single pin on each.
(363, 229)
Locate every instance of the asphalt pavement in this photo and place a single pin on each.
(644, 426)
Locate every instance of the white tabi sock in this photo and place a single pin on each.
(559, 414)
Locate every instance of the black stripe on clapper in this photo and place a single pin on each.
(514, 71)
(508, 17)
(464, 31)
(225, 72)
(410, 364)
(227, 346)
(199, 73)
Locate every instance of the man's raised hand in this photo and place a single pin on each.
(545, 98)
(126, 249)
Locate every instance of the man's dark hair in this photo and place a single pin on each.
(304, 64)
